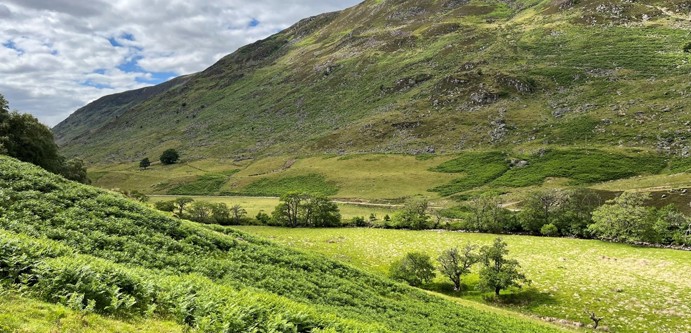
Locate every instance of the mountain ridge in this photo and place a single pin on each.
(414, 77)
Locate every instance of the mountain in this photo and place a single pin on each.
(395, 76)
(97, 252)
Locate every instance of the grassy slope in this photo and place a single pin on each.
(405, 77)
(634, 289)
(25, 315)
(201, 275)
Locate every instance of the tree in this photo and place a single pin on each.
(487, 215)
(75, 170)
(498, 272)
(541, 208)
(415, 268)
(624, 219)
(414, 214)
(237, 213)
(180, 204)
(144, 163)
(323, 212)
(170, 156)
(26, 139)
(263, 217)
(201, 211)
(286, 213)
(454, 263)
(220, 213)
(577, 212)
(165, 206)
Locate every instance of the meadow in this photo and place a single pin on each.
(97, 252)
(635, 289)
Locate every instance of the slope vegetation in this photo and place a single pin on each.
(419, 76)
(96, 252)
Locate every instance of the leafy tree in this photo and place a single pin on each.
(454, 263)
(25, 138)
(672, 227)
(541, 208)
(263, 217)
(144, 163)
(170, 156)
(415, 268)
(487, 215)
(414, 214)
(302, 209)
(577, 212)
(287, 212)
(180, 204)
(201, 211)
(323, 212)
(498, 272)
(237, 213)
(165, 206)
(624, 219)
(75, 170)
(220, 213)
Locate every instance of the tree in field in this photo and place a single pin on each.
(322, 212)
(577, 212)
(220, 213)
(541, 208)
(200, 211)
(165, 206)
(180, 204)
(237, 213)
(624, 219)
(414, 214)
(498, 272)
(287, 212)
(487, 215)
(302, 209)
(415, 268)
(455, 263)
(170, 156)
(144, 163)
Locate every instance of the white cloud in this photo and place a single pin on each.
(58, 55)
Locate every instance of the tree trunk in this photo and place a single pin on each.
(497, 290)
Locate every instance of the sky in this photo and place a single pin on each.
(58, 55)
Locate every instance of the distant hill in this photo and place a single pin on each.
(393, 76)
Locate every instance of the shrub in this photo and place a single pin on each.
(549, 230)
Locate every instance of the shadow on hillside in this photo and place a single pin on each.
(526, 297)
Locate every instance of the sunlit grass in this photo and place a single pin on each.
(635, 289)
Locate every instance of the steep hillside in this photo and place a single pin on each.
(420, 76)
(97, 252)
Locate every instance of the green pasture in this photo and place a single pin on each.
(635, 289)
(254, 205)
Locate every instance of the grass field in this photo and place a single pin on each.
(634, 289)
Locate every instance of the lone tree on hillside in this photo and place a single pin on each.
(454, 263)
(145, 163)
(170, 156)
(498, 272)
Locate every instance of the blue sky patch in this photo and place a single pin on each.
(90, 83)
(131, 65)
(12, 46)
(157, 77)
(254, 23)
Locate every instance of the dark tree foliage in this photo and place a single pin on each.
(144, 163)
(306, 210)
(26, 139)
(23, 137)
(170, 156)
